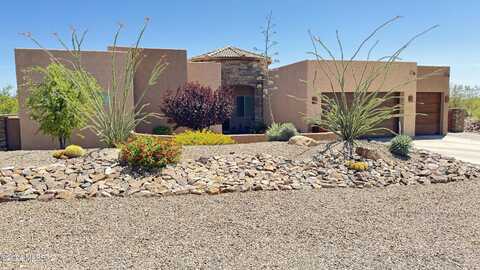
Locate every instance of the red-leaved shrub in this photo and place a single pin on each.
(198, 107)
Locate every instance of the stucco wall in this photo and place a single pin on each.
(433, 79)
(206, 73)
(99, 64)
(436, 79)
(289, 99)
(174, 76)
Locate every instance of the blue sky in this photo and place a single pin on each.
(201, 26)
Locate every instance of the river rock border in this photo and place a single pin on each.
(100, 175)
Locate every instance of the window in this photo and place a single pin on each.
(244, 106)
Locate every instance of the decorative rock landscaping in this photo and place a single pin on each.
(472, 125)
(99, 175)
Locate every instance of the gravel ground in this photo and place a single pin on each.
(414, 227)
(44, 157)
(24, 158)
(273, 148)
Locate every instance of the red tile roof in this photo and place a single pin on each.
(226, 53)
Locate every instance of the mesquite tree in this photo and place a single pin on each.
(54, 101)
(198, 107)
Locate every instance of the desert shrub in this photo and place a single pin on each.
(203, 137)
(147, 152)
(281, 132)
(57, 103)
(476, 113)
(8, 102)
(162, 130)
(465, 97)
(472, 106)
(198, 107)
(357, 165)
(73, 151)
(401, 145)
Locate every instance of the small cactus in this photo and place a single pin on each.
(357, 166)
(57, 154)
(73, 151)
(401, 145)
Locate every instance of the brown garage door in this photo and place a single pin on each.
(428, 113)
(391, 124)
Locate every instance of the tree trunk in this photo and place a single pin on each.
(62, 141)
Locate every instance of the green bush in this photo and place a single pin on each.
(472, 106)
(162, 130)
(147, 152)
(203, 137)
(57, 103)
(281, 132)
(401, 145)
(8, 101)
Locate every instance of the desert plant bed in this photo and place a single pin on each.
(256, 138)
(99, 174)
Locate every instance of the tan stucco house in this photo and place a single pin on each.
(297, 95)
(423, 101)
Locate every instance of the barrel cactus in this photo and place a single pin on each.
(357, 165)
(401, 145)
(73, 151)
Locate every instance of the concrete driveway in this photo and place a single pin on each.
(462, 146)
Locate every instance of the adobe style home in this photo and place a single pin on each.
(424, 103)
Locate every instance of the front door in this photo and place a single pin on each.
(243, 116)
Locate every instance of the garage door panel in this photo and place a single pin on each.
(428, 107)
(426, 97)
(431, 119)
(427, 130)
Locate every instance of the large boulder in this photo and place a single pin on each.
(368, 153)
(302, 141)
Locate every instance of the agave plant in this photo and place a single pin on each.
(401, 145)
(109, 115)
(364, 113)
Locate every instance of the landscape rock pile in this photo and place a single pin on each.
(100, 175)
(472, 125)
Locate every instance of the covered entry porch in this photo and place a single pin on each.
(243, 116)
